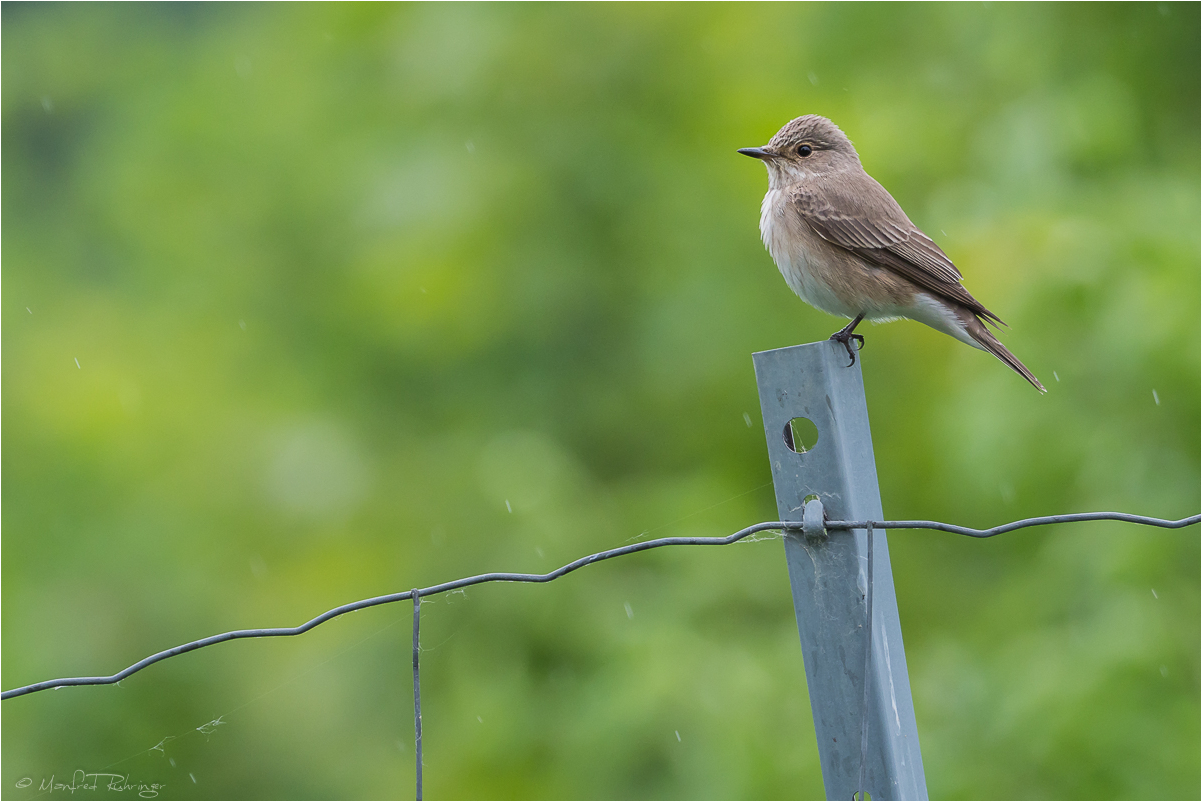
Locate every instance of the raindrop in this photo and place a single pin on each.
(1156, 398)
(813, 79)
(629, 611)
(507, 505)
(77, 363)
(747, 420)
(678, 735)
(1154, 596)
(1057, 375)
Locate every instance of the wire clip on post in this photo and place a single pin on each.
(858, 682)
(813, 519)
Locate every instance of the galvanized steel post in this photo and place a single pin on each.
(828, 571)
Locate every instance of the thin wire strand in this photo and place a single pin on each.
(1010, 527)
(417, 687)
(580, 563)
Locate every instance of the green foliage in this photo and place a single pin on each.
(348, 283)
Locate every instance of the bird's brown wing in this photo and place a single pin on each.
(858, 214)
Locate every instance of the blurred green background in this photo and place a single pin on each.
(305, 304)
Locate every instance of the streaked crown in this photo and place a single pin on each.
(814, 130)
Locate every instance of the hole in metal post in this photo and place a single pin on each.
(801, 435)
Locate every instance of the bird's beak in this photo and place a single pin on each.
(755, 153)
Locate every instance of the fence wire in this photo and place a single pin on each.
(417, 687)
(418, 593)
(433, 590)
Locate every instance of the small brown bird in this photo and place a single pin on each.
(846, 247)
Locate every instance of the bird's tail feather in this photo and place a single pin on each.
(985, 338)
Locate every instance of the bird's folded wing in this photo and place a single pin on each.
(870, 223)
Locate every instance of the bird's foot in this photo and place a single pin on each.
(845, 336)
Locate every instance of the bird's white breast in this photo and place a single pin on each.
(800, 267)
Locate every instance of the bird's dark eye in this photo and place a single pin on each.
(804, 150)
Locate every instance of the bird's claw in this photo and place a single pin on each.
(845, 338)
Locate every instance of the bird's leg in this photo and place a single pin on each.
(845, 336)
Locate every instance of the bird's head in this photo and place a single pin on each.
(805, 147)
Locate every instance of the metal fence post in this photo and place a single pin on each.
(827, 572)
